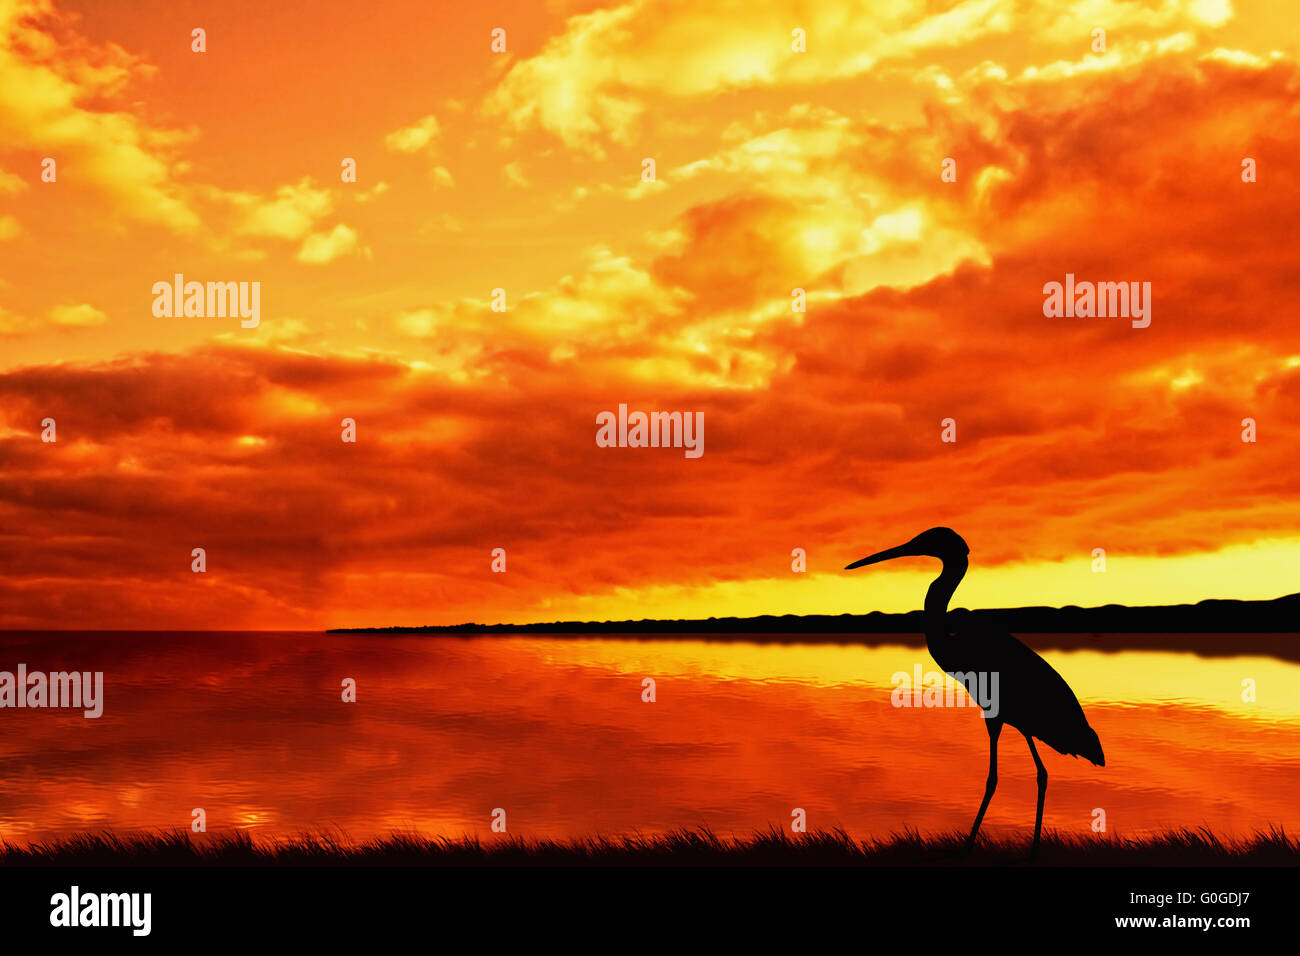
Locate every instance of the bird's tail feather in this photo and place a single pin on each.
(1092, 748)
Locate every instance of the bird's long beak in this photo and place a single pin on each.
(902, 551)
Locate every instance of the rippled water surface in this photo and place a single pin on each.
(251, 727)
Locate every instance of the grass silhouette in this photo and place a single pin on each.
(694, 847)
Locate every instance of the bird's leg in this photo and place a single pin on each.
(994, 729)
(1042, 792)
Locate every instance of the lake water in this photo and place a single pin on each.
(252, 728)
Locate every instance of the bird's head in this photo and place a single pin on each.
(942, 543)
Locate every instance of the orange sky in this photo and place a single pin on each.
(522, 171)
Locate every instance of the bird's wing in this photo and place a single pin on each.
(1028, 692)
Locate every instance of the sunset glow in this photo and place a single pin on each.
(523, 171)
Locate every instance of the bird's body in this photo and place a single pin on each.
(1031, 696)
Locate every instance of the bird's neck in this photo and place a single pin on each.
(937, 598)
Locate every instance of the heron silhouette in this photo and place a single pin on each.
(1032, 697)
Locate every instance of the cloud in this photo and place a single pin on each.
(514, 173)
(11, 185)
(593, 83)
(77, 316)
(593, 80)
(366, 195)
(82, 316)
(11, 324)
(48, 76)
(322, 247)
(79, 102)
(413, 138)
(291, 213)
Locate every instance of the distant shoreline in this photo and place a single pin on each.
(1279, 617)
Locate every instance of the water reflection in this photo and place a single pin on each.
(252, 728)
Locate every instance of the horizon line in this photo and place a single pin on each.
(317, 629)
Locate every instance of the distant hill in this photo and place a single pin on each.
(1278, 616)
